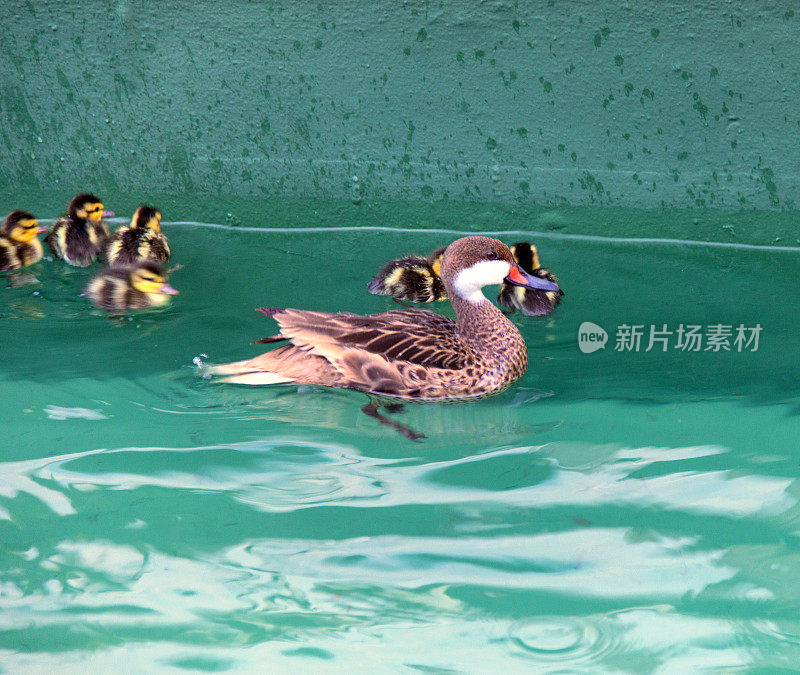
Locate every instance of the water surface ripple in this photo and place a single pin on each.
(608, 513)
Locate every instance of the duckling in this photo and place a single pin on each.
(19, 246)
(411, 279)
(79, 236)
(120, 288)
(141, 240)
(417, 279)
(530, 302)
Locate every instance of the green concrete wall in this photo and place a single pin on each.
(633, 104)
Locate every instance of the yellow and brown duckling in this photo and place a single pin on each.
(530, 302)
(80, 236)
(19, 246)
(411, 278)
(134, 287)
(406, 354)
(139, 241)
(417, 279)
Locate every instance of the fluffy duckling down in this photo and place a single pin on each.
(139, 241)
(19, 246)
(80, 236)
(135, 287)
(417, 279)
(411, 278)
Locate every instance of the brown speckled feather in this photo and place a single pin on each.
(391, 353)
(417, 337)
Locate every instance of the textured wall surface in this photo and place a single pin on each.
(644, 104)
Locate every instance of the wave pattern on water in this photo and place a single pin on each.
(309, 541)
(600, 516)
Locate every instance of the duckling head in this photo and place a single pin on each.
(470, 263)
(150, 278)
(86, 206)
(147, 217)
(526, 255)
(21, 226)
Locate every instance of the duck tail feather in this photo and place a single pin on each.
(271, 338)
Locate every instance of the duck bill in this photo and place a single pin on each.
(42, 229)
(519, 277)
(166, 288)
(108, 214)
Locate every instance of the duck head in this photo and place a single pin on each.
(85, 206)
(147, 217)
(21, 226)
(471, 263)
(150, 278)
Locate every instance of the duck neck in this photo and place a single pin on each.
(480, 323)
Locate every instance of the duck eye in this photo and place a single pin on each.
(491, 255)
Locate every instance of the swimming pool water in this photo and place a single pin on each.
(619, 511)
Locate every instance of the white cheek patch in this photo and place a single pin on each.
(470, 281)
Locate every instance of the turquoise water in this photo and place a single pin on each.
(610, 512)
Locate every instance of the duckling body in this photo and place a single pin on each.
(19, 246)
(79, 236)
(139, 241)
(134, 287)
(416, 279)
(415, 355)
(411, 279)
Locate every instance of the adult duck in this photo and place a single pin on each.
(412, 355)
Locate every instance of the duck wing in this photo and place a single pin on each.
(416, 337)
(392, 352)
